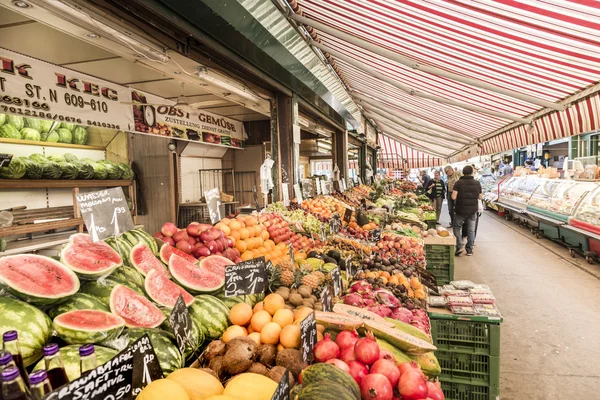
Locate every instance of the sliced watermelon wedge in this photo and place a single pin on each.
(167, 250)
(194, 278)
(37, 279)
(88, 326)
(165, 292)
(87, 259)
(216, 264)
(135, 309)
(144, 260)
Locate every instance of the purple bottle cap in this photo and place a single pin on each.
(9, 336)
(50, 349)
(5, 358)
(38, 376)
(10, 373)
(86, 350)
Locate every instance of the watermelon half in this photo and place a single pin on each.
(87, 259)
(216, 264)
(195, 279)
(88, 326)
(144, 260)
(37, 279)
(167, 250)
(164, 291)
(135, 309)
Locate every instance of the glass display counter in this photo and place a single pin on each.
(517, 191)
(557, 198)
(587, 213)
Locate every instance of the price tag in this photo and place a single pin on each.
(308, 188)
(5, 159)
(335, 224)
(343, 183)
(350, 272)
(324, 188)
(247, 277)
(318, 186)
(182, 325)
(291, 252)
(375, 235)
(326, 299)
(123, 377)
(105, 213)
(282, 392)
(298, 193)
(213, 201)
(347, 215)
(308, 337)
(338, 284)
(323, 233)
(286, 194)
(428, 279)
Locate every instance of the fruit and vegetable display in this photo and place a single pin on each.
(40, 130)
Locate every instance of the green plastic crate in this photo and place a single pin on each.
(477, 369)
(466, 336)
(444, 272)
(467, 391)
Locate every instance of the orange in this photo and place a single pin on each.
(259, 320)
(284, 317)
(225, 221)
(235, 235)
(250, 243)
(273, 302)
(256, 337)
(235, 225)
(258, 307)
(240, 314)
(264, 235)
(267, 257)
(224, 228)
(256, 253)
(234, 331)
(244, 233)
(247, 255)
(269, 333)
(241, 246)
(262, 250)
(290, 336)
(302, 313)
(251, 221)
(257, 230)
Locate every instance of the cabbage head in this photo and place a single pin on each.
(15, 170)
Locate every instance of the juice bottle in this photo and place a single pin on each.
(54, 366)
(87, 359)
(39, 384)
(13, 387)
(11, 344)
(6, 361)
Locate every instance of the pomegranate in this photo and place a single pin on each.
(376, 387)
(386, 355)
(413, 386)
(340, 364)
(346, 339)
(434, 392)
(366, 349)
(386, 368)
(348, 355)
(357, 370)
(326, 349)
(408, 366)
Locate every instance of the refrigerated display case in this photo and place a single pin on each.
(516, 192)
(587, 214)
(557, 198)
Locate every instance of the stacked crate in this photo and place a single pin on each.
(440, 260)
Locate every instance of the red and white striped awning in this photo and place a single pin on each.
(396, 155)
(546, 49)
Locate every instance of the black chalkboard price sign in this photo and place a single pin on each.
(336, 277)
(375, 235)
(347, 215)
(291, 252)
(326, 299)
(283, 389)
(182, 325)
(5, 159)
(350, 270)
(428, 279)
(105, 213)
(123, 377)
(247, 277)
(308, 337)
(335, 224)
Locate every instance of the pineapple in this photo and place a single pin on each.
(275, 277)
(320, 276)
(287, 278)
(311, 281)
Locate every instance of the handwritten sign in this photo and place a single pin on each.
(213, 202)
(335, 224)
(326, 299)
(323, 233)
(338, 284)
(308, 188)
(318, 186)
(247, 277)
(282, 392)
(105, 213)
(324, 188)
(291, 252)
(286, 194)
(308, 337)
(375, 235)
(347, 215)
(428, 279)
(182, 325)
(5, 159)
(298, 193)
(123, 377)
(350, 270)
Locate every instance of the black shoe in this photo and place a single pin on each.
(458, 252)
(469, 253)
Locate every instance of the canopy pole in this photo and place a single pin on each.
(414, 92)
(415, 65)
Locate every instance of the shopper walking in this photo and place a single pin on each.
(436, 191)
(466, 195)
(453, 177)
(425, 180)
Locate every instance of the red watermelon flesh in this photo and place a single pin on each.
(167, 250)
(164, 291)
(37, 279)
(93, 320)
(90, 259)
(145, 261)
(135, 309)
(216, 264)
(194, 278)
(80, 238)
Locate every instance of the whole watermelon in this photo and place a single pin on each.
(113, 169)
(33, 123)
(2, 119)
(80, 135)
(8, 131)
(30, 134)
(34, 169)
(79, 301)
(34, 327)
(64, 136)
(17, 122)
(52, 137)
(51, 170)
(15, 170)
(56, 158)
(85, 170)
(127, 172)
(70, 157)
(67, 125)
(69, 171)
(100, 171)
(167, 352)
(38, 158)
(45, 125)
(70, 358)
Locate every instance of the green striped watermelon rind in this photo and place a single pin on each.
(102, 288)
(136, 236)
(79, 301)
(164, 346)
(211, 315)
(34, 327)
(70, 358)
(143, 247)
(86, 332)
(186, 283)
(154, 292)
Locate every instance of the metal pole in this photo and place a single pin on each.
(415, 65)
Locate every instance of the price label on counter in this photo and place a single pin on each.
(338, 285)
(247, 277)
(326, 299)
(182, 325)
(5, 159)
(282, 392)
(308, 337)
(298, 193)
(105, 213)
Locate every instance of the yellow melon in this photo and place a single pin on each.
(223, 397)
(198, 384)
(249, 386)
(162, 389)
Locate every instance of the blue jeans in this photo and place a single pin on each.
(469, 221)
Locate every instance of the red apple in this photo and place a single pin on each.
(169, 229)
(181, 235)
(184, 246)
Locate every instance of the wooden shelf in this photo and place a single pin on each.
(39, 243)
(51, 144)
(44, 226)
(60, 183)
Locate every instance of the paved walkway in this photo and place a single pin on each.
(551, 306)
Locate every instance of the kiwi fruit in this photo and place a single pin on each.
(296, 299)
(305, 291)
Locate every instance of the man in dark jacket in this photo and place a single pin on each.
(425, 181)
(436, 193)
(466, 194)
